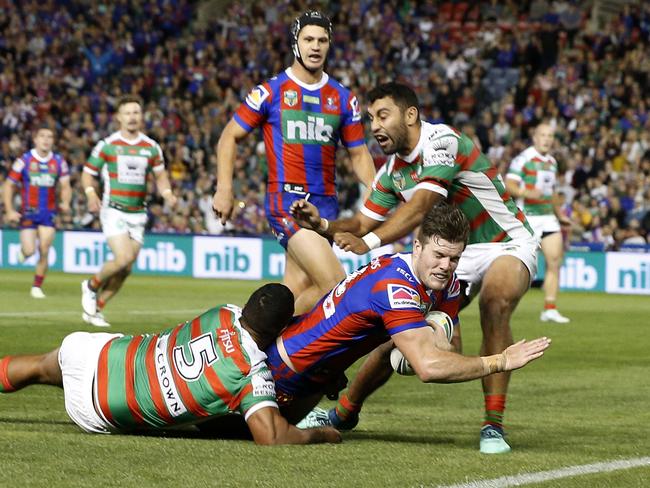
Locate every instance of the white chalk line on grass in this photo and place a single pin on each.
(541, 476)
(45, 313)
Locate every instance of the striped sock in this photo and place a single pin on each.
(94, 284)
(345, 408)
(5, 385)
(495, 405)
(38, 280)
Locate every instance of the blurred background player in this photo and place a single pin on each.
(532, 178)
(37, 172)
(123, 160)
(230, 374)
(430, 163)
(386, 300)
(304, 114)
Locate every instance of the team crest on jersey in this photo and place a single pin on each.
(256, 97)
(401, 296)
(399, 181)
(290, 98)
(33, 167)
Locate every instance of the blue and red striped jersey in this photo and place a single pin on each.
(376, 301)
(38, 177)
(302, 125)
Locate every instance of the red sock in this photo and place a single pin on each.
(38, 280)
(549, 305)
(94, 284)
(495, 405)
(5, 385)
(345, 408)
(101, 304)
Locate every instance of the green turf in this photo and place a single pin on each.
(586, 401)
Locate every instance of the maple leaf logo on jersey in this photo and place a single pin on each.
(401, 296)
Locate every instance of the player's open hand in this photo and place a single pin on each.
(305, 214)
(12, 216)
(222, 204)
(523, 352)
(350, 242)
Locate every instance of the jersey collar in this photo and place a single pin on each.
(315, 86)
(35, 155)
(131, 142)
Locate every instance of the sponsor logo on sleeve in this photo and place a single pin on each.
(401, 296)
(256, 97)
(356, 109)
(263, 384)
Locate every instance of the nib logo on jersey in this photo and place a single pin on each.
(300, 127)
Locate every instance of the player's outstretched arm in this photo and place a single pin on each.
(222, 202)
(362, 165)
(433, 365)
(270, 428)
(307, 216)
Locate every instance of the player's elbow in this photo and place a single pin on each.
(430, 373)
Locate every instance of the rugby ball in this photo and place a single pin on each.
(443, 320)
(400, 364)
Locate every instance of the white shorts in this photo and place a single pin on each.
(477, 258)
(543, 224)
(78, 358)
(115, 223)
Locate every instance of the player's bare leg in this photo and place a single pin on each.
(374, 372)
(299, 407)
(315, 257)
(17, 372)
(125, 251)
(553, 252)
(112, 286)
(504, 283)
(28, 242)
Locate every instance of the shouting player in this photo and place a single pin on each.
(123, 160)
(304, 114)
(532, 178)
(204, 368)
(38, 172)
(386, 300)
(430, 163)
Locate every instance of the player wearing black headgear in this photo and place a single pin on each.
(305, 117)
(315, 18)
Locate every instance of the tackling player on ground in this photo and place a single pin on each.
(37, 173)
(304, 115)
(199, 370)
(532, 178)
(430, 163)
(123, 160)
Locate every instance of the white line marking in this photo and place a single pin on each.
(527, 478)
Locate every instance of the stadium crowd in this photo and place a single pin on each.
(492, 69)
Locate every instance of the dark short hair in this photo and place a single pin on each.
(268, 310)
(123, 100)
(403, 96)
(444, 221)
(44, 126)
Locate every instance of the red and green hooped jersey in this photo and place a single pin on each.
(208, 366)
(534, 170)
(124, 166)
(448, 162)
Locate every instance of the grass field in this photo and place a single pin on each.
(586, 401)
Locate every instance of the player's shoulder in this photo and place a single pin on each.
(435, 131)
(148, 140)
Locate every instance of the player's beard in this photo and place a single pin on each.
(400, 140)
